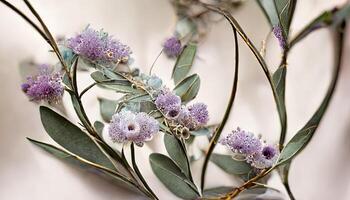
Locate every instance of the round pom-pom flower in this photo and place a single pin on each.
(194, 116)
(168, 103)
(46, 86)
(172, 47)
(98, 46)
(242, 142)
(266, 158)
(127, 126)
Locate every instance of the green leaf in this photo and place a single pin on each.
(229, 165)
(73, 159)
(217, 191)
(176, 152)
(202, 132)
(328, 18)
(303, 136)
(279, 13)
(72, 138)
(260, 192)
(184, 62)
(172, 177)
(116, 83)
(99, 127)
(107, 108)
(188, 88)
(279, 84)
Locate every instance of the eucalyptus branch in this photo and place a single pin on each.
(339, 52)
(218, 131)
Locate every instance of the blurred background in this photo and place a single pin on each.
(321, 171)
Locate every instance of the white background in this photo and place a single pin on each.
(321, 171)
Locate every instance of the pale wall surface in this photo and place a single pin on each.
(320, 172)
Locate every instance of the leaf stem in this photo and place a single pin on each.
(139, 173)
(218, 131)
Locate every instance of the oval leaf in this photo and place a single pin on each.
(229, 165)
(72, 138)
(177, 153)
(107, 108)
(188, 88)
(172, 177)
(184, 62)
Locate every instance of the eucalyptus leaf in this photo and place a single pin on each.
(99, 127)
(217, 191)
(279, 13)
(188, 88)
(72, 138)
(177, 153)
(261, 193)
(279, 84)
(229, 165)
(184, 62)
(328, 18)
(303, 136)
(172, 177)
(202, 132)
(107, 108)
(73, 159)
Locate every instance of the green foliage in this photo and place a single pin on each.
(230, 165)
(184, 62)
(172, 177)
(72, 138)
(188, 88)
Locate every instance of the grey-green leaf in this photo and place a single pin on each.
(217, 191)
(229, 165)
(107, 108)
(177, 153)
(188, 88)
(303, 136)
(184, 62)
(172, 177)
(279, 13)
(99, 127)
(279, 84)
(72, 138)
(72, 159)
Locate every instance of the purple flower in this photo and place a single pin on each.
(266, 158)
(194, 116)
(172, 47)
(98, 46)
(127, 126)
(199, 113)
(168, 103)
(46, 86)
(278, 32)
(242, 142)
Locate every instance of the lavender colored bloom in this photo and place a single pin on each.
(242, 142)
(46, 86)
(168, 103)
(199, 113)
(172, 47)
(98, 46)
(266, 158)
(127, 126)
(278, 32)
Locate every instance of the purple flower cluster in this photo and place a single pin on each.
(278, 32)
(191, 117)
(168, 103)
(98, 46)
(172, 47)
(127, 126)
(256, 153)
(46, 86)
